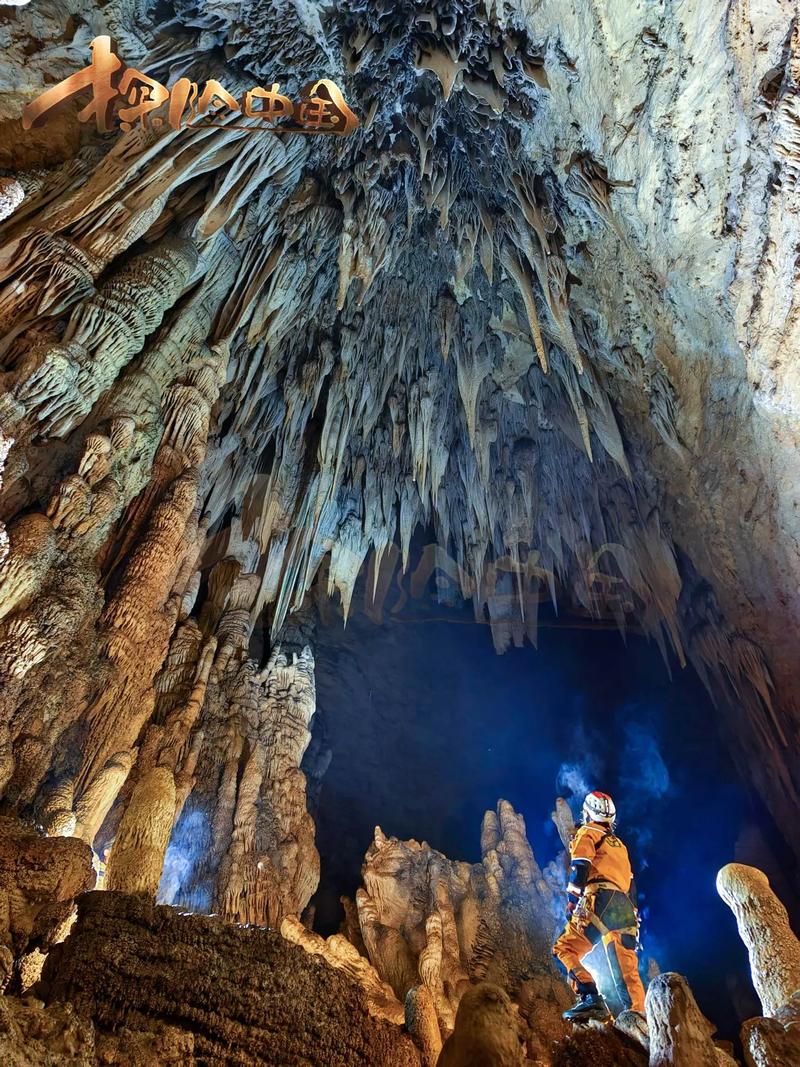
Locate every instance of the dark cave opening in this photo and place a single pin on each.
(429, 727)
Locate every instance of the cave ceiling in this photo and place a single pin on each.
(540, 306)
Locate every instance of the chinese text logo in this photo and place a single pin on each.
(321, 109)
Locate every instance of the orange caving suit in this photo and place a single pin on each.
(610, 916)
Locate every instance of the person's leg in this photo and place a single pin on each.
(624, 965)
(569, 950)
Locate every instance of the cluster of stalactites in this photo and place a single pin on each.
(451, 391)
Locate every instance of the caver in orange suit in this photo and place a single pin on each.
(601, 908)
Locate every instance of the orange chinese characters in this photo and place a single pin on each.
(186, 93)
(144, 96)
(323, 109)
(98, 77)
(146, 102)
(275, 105)
(141, 93)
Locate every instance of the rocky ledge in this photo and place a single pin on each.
(245, 994)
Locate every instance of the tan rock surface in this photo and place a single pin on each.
(770, 1042)
(426, 919)
(32, 1034)
(764, 927)
(486, 1030)
(680, 1036)
(598, 1047)
(39, 880)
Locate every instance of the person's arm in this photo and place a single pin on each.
(582, 852)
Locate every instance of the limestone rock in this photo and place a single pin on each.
(486, 1030)
(31, 1035)
(159, 1046)
(241, 992)
(775, 1041)
(137, 858)
(426, 918)
(598, 1046)
(634, 1026)
(11, 196)
(40, 877)
(422, 1024)
(764, 927)
(340, 954)
(680, 1036)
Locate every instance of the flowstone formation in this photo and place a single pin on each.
(246, 995)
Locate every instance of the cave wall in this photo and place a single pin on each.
(698, 110)
(541, 302)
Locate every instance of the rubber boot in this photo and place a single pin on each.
(587, 1006)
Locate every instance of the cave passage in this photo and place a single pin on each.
(491, 308)
(428, 727)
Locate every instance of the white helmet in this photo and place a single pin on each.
(599, 807)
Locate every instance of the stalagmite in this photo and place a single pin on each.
(422, 1024)
(764, 927)
(679, 1034)
(426, 918)
(486, 1030)
(137, 855)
